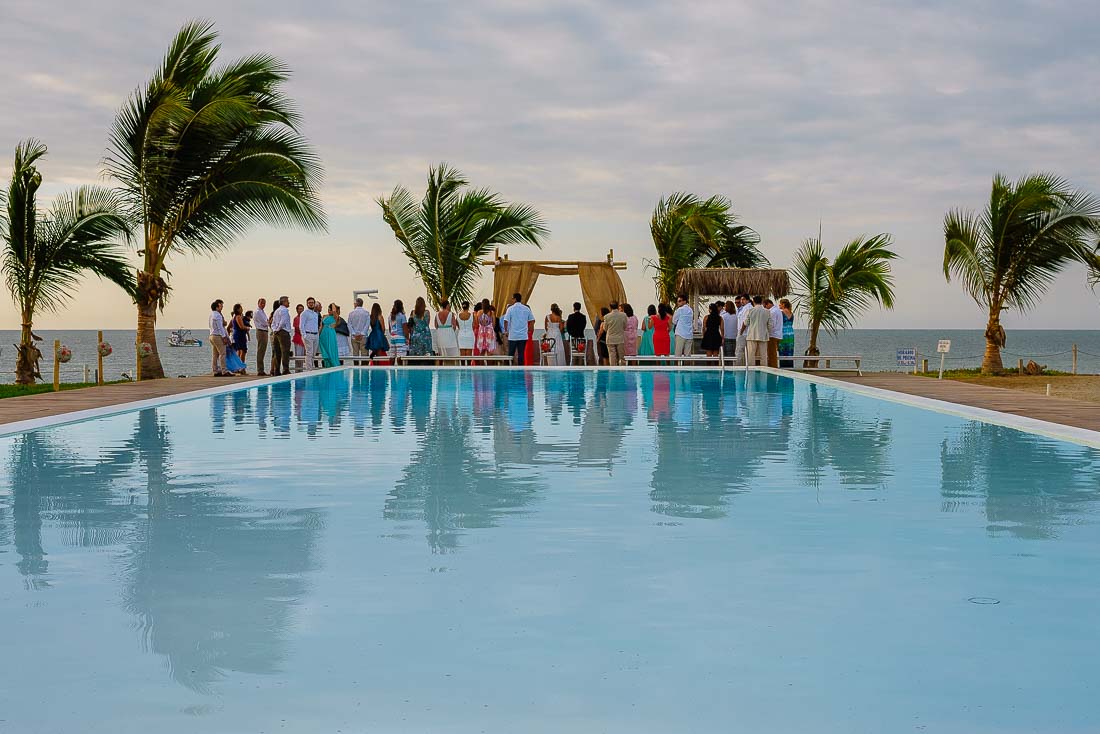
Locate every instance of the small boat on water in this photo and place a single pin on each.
(183, 338)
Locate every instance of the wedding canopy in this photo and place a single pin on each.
(600, 283)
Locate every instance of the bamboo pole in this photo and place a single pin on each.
(56, 365)
(99, 375)
(618, 265)
(137, 351)
(1020, 365)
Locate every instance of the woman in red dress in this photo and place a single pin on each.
(531, 354)
(662, 324)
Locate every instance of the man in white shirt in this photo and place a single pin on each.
(775, 331)
(219, 338)
(260, 326)
(358, 325)
(281, 330)
(744, 305)
(757, 323)
(309, 323)
(729, 328)
(516, 319)
(683, 319)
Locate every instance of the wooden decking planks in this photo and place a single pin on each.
(44, 405)
(1077, 413)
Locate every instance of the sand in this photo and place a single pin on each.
(1074, 387)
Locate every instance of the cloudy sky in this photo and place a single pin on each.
(865, 117)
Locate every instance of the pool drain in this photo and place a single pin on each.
(983, 600)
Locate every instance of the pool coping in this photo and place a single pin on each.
(1070, 434)
(1059, 431)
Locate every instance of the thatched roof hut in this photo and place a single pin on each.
(733, 281)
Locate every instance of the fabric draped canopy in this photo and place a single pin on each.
(600, 283)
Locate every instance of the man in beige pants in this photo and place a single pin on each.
(614, 326)
(219, 338)
(757, 321)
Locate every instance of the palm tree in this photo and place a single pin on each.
(201, 155)
(1008, 255)
(689, 232)
(44, 258)
(452, 229)
(833, 295)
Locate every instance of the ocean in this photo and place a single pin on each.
(878, 347)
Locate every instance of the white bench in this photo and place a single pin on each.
(828, 360)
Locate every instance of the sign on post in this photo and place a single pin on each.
(943, 347)
(907, 357)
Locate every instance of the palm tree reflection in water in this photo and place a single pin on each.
(714, 431)
(456, 480)
(1028, 486)
(212, 579)
(836, 434)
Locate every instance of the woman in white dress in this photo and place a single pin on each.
(466, 331)
(446, 331)
(555, 329)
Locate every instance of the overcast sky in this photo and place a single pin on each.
(867, 117)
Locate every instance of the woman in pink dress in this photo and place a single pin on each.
(485, 337)
(630, 333)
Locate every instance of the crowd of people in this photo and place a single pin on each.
(748, 330)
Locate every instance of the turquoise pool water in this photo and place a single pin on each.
(504, 551)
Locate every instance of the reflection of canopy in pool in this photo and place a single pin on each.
(600, 284)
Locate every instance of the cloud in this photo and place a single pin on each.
(866, 116)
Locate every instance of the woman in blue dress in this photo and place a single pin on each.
(326, 341)
(786, 344)
(420, 332)
(645, 349)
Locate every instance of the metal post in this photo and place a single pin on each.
(99, 374)
(56, 365)
(1075, 359)
(943, 356)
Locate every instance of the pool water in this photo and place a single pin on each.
(509, 551)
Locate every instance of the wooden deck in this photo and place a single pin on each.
(1064, 411)
(43, 405)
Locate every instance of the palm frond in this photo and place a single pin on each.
(452, 229)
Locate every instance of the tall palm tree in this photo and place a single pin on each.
(1008, 255)
(452, 229)
(689, 232)
(201, 155)
(834, 294)
(44, 257)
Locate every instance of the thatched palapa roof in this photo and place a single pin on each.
(734, 281)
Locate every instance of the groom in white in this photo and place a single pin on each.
(309, 323)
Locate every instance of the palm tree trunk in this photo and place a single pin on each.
(812, 350)
(148, 299)
(26, 362)
(994, 342)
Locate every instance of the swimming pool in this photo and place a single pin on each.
(506, 550)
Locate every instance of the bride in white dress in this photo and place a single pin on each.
(446, 327)
(555, 329)
(465, 330)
